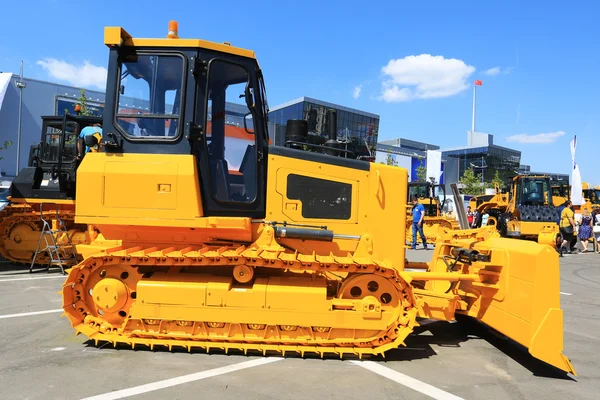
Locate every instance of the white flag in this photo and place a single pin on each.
(573, 148)
(4, 82)
(576, 189)
(434, 165)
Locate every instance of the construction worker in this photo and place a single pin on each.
(90, 136)
(418, 212)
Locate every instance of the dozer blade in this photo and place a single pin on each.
(513, 286)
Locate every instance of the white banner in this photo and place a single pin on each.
(434, 165)
(4, 82)
(576, 190)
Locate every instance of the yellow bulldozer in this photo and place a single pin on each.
(222, 241)
(526, 212)
(45, 191)
(433, 198)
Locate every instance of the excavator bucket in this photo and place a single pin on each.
(513, 286)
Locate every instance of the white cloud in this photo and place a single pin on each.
(356, 91)
(424, 77)
(495, 71)
(85, 75)
(492, 71)
(539, 138)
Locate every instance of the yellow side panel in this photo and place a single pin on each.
(377, 206)
(125, 183)
(141, 189)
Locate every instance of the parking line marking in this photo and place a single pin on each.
(119, 394)
(27, 314)
(30, 279)
(407, 381)
(566, 294)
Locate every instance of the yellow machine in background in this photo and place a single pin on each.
(527, 212)
(45, 191)
(561, 192)
(269, 249)
(591, 196)
(435, 222)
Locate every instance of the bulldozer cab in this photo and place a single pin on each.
(53, 161)
(58, 143)
(186, 97)
(431, 195)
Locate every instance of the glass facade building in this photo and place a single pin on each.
(359, 129)
(487, 160)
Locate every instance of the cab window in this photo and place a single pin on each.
(149, 94)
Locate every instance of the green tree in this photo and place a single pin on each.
(497, 180)
(82, 101)
(471, 183)
(422, 172)
(5, 146)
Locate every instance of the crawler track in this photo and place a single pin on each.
(188, 297)
(20, 228)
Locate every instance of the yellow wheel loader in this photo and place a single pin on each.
(229, 243)
(433, 198)
(527, 212)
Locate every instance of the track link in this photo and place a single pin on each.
(103, 299)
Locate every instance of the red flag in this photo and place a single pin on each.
(478, 83)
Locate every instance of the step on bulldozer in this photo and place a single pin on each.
(433, 198)
(228, 243)
(45, 190)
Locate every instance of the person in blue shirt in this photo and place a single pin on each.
(96, 131)
(418, 213)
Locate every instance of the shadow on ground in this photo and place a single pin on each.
(418, 346)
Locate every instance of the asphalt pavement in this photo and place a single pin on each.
(41, 358)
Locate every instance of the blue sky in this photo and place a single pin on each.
(414, 63)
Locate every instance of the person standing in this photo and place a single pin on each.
(567, 228)
(470, 218)
(418, 212)
(585, 229)
(596, 227)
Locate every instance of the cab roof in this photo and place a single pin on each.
(115, 36)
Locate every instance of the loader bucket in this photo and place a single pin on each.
(524, 303)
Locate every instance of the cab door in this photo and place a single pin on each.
(228, 136)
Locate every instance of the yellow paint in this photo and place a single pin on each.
(117, 36)
(374, 205)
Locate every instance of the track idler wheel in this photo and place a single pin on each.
(102, 294)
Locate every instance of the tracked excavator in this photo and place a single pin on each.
(45, 189)
(230, 244)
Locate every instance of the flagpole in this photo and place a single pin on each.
(474, 100)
